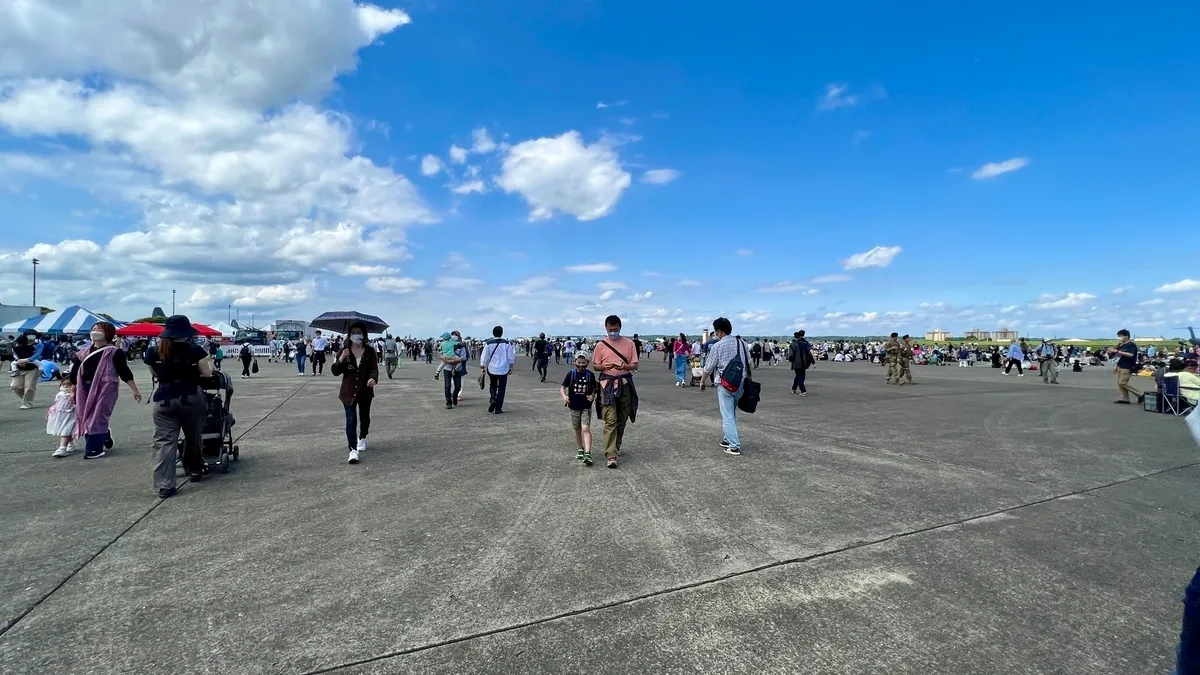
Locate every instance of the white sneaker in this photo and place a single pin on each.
(1020, 374)
(353, 459)
(362, 445)
(26, 406)
(62, 451)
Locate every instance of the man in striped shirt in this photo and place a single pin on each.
(725, 349)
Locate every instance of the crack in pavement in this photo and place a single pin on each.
(132, 525)
(735, 575)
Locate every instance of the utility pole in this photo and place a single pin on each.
(172, 302)
(228, 313)
(35, 264)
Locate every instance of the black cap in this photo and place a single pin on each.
(178, 328)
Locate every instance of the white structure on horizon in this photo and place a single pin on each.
(937, 335)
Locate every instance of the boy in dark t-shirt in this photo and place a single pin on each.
(578, 393)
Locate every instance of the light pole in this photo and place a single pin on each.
(35, 264)
(172, 301)
(228, 313)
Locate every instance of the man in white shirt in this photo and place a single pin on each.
(319, 344)
(497, 360)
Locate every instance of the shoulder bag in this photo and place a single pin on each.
(751, 392)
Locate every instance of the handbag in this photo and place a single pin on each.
(254, 366)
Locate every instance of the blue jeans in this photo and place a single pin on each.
(727, 400)
(798, 381)
(680, 368)
(453, 382)
(300, 363)
(362, 420)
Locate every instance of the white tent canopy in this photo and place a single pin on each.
(226, 329)
(1074, 341)
(73, 320)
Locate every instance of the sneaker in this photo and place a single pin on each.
(491, 407)
(362, 445)
(1122, 402)
(587, 459)
(578, 455)
(449, 406)
(26, 406)
(353, 459)
(725, 444)
(62, 451)
(100, 453)
(612, 462)
(108, 444)
(1020, 374)
(733, 451)
(165, 493)
(1141, 399)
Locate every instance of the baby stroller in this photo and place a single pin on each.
(216, 434)
(696, 371)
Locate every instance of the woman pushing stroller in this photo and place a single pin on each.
(179, 404)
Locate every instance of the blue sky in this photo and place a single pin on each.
(458, 163)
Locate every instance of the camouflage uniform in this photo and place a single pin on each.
(891, 351)
(906, 356)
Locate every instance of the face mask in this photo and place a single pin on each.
(356, 339)
(96, 337)
(614, 334)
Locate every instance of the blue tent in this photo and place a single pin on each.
(73, 320)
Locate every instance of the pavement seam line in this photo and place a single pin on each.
(734, 575)
(132, 525)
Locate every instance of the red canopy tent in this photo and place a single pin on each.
(155, 329)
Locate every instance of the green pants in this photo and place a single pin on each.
(904, 372)
(615, 418)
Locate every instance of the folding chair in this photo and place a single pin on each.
(1173, 402)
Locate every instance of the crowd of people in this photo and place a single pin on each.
(601, 377)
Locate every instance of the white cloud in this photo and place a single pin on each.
(456, 283)
(469, 187)
(744, 252)
(601, 105)
(1154, 301)
(398, 285)
(993, 169)
(651, 273)
(783, 287)
(880, 256)
(754, 316)
(592, 268)
(1051, 301)
(660, 176)
(607, 295)
(837, 96)
(612, 285)
(562, 174)
(458, 155)
(456, 262)
(255, 57)
(356, 269)
(638, 297)
(431, 165)
(689, 283)
(248, 297)
(811, 291)
(1118, 291)
(1179, 286)
(482, 143)
(832, 279)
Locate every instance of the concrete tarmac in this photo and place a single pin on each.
(971, 523)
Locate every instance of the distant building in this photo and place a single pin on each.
(980, 335)
(937, 335)
(1004, 335)
(15, 313)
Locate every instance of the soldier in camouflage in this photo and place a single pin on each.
(891, 352)
(906, 357)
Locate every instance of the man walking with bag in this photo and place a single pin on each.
(615, 359)
(1046, 362)
(727, 363)
(496, 361)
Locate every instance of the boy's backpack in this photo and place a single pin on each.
(734, 372)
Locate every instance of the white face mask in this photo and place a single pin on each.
(614, 334)
(96, 336)
(356, 339)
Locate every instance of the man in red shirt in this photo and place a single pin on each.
(615, 359)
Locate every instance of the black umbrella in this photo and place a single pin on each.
(339, 322)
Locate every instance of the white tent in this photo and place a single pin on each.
(1074, 341)
(73, 320)
(226, 329)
